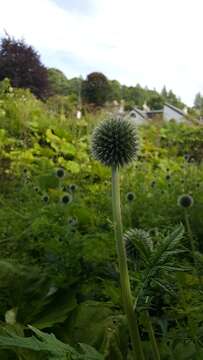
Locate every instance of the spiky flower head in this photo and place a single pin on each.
(130, 196)
(66, 199)
(185, 201)
(60, 173)
(153, 183)
(45, 198)
(72, 221)
(72, 187)
(115, 141)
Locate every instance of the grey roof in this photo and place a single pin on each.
(140, 112)
(145, 114)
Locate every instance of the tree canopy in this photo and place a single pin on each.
(21, 64)
(96, 89)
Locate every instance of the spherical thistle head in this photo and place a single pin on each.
(60, 173)
(115, 142)
(72, 221)
(130, 196)
(185, 201)
(72, 187)
(45, 198)
(66, 199)
(186, 157)
(153, 183)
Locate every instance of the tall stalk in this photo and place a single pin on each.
(192, 245)
(123, 268)
(155, 349)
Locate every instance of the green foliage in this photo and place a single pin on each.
(155, 102)
(52, 348)
(95, 89)
(61, 276)
(58, 82)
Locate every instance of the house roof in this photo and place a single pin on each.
(147, 114)
(140, 112)
(179, 111)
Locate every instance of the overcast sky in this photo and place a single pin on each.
(151, 42)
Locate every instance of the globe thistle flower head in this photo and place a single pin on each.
(185, 201)
(66, 199)
(72, 187)
(60, 173)
(153, 183)
(72, 221)
(115, 142)
(186, 157)
(45, 198)
(130, 196)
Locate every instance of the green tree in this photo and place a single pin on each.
(95, 89)
(59, 84)
(164, 93)
(21, 64)
(155, 102)
(116, 90)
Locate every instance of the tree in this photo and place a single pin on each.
(164, 93)
(198, 102)
(155, 102)
(95, 89)
(21, 64)
(116, 90)
(59, 84)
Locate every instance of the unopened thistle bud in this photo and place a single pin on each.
(66, 199)
(45, 198)
(60, 173)
(72, 187)
(130, 196)
(185, 201)
(115, 142)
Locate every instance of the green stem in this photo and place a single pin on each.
(123, 268)
(152, 338)
(192, 243)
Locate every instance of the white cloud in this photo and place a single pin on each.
(151, 42)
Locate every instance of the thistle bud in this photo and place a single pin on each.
(185, 201)
(66, 199)
(60, 173)
(130, 196)
(115, 142)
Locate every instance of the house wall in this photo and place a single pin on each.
(170, 114)
(137, 118)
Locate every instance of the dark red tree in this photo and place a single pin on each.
(21, 64)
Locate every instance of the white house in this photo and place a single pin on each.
(169, 112)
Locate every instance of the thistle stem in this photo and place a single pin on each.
(123, 268)
(192, 243)
(152, 338)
